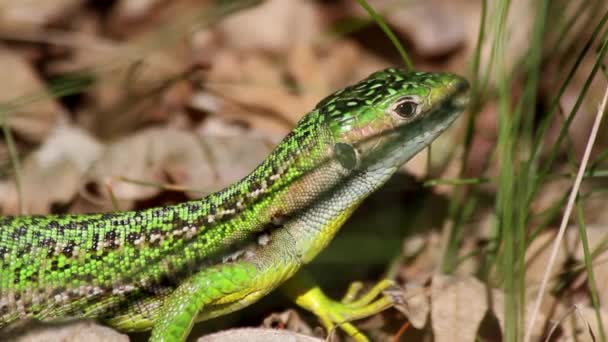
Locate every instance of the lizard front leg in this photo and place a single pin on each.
(219, 290)
(223, 283)
(332, 313)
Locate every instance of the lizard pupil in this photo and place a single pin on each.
(406, 109)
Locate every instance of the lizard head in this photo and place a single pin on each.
(384, 120)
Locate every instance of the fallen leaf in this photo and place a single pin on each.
(585, 324)
(257, 335)
(299, 23)
(416, 305)
(73, 332)
(538, 253)
(201, 163)
(152, 156)
(498, 309)
(435, 27)
(458, 307)
(288, 320)
(52, 174)
(30, 13)
(132, 11)
(30, 109)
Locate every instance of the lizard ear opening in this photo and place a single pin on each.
(347, 155)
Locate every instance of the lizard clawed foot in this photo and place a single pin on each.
(352, 307)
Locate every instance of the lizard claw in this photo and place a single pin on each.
(333, 314)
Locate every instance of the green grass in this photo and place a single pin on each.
(523, 168)
(389, 33)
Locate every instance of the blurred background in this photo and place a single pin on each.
(130, 104)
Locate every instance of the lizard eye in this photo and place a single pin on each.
(406, 107)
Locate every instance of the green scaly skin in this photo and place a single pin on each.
(165, 268)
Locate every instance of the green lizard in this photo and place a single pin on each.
(165, 268)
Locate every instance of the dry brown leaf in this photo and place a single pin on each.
(539, 251)
(73, 332)
(152, 156)
(258, 335)
(420, 270)
(175, 18)
(458, 306)
(417, 305)
(519, 28)
(596, 236)
(34, 119)
(134, 10)
(289, 320)
(254, 80)
(580, 128)
(5, 162)
(130, 76)
(52, 174)
(127, 88)
(304, 66)
(585, 324)
(460, 303)
(169, 156)
(258, 84)
(298, 21)
(233, 156)
(498, 309)
(436, 27)
(30, 13)
(537, 258)
(342, 62)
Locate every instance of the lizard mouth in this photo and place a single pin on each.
(459, 94)
(453, 104)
